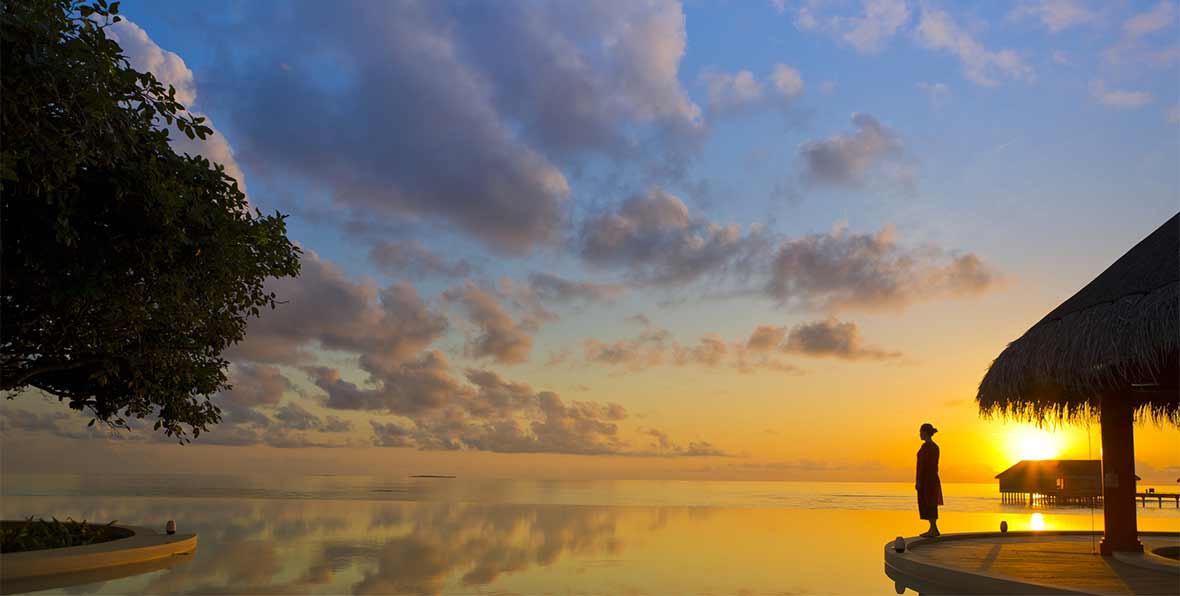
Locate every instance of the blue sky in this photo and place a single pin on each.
(859, 176)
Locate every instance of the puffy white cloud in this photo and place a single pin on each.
(457, 114)
(169, 68)
(833, 338)
(296, 417)
(323, 308)
(1161, 16)
(937, 30)
(1055, 15)
(499, 337)
(841, 271)
(879, 22)
(847, 160)
(256, 385)
(1119, 98)
(1135, 45)
(654, 346)
(742, 90)
(866, 31)
(656, 240)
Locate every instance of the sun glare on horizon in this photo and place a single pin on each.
(1033, 443)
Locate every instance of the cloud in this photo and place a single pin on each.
(655, 347)
(490, 413)
(499, 337)
(24, 420)
(559, 289)
(843, 271)
(1119, 98)
(241, 425)
(256, 385)
(766, 338)
(709, 351)
(816, 339)
(880, 21)
(169, 68)
(937, 30)
(1134, 45)
(410, 258)
(658, 242)
(585, 428)
(848, 160)
(938, 93)
(1160, 17)
(662, 445)
(835, 339)
(454, 113)
(1055, 15)
(391, 435)
(643, 351)
(296, 417)
(867, 32)
(1172, 114)
(323, 308)
(740, 90)
(405, 388)
(471, 547)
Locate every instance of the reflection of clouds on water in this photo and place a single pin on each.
(479, 543)
(285, 547)
(268, 546)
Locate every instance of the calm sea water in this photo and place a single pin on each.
(358, 535)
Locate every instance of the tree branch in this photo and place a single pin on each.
(26, 377)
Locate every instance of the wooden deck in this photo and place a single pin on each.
(1158, 497)
(1031, 563)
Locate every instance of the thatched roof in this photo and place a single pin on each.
(1053, 467)
(1119, 335)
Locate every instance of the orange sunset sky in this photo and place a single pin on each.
(665, 240)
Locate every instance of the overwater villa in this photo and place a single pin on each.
(1056, 481)
(1109, 353)
(1053, 482)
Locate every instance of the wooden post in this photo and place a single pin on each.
(1118, 475)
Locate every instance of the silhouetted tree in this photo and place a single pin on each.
(126, 269)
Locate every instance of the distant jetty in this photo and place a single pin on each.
(430, 476)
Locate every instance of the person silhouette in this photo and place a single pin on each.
(927, 484)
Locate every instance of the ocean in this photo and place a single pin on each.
(363, 535)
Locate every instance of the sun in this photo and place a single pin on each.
(1030, 442)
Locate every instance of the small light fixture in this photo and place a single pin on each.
(899, 545)
(1003, 527)
(170, 527)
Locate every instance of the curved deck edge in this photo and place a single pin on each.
(144, 546)
(927, 577)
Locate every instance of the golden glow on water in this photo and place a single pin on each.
(250, 545)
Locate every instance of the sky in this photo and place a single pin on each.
(655, 239)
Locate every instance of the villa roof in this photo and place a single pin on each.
(1064, 466)
(1119, 335)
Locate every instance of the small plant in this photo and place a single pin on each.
(40, 534)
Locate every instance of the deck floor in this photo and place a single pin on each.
(1067, 562)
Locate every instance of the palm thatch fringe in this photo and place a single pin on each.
(1060, 368)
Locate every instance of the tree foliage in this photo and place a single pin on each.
(126, 269)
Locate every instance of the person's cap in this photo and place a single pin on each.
(929, 427)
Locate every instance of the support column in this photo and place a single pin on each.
(1118, 475)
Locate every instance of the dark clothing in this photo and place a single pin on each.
(929, 486)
